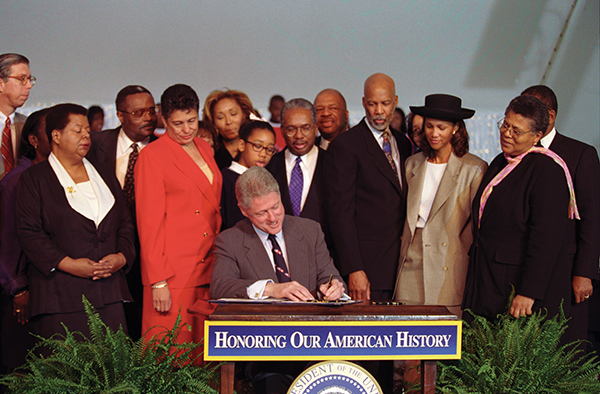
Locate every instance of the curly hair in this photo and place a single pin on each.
(459, 140)
(532, 108)
(178, 97)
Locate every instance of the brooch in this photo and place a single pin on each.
(70, 190)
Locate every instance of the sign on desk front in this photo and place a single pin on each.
(331, 340)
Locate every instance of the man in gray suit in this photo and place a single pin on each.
(270, 254)
(15, 83)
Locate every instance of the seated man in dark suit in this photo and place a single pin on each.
(271, 254)
(298, 168)
(119, 148)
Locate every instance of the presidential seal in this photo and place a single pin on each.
(335, 377)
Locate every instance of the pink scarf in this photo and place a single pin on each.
(513, 162)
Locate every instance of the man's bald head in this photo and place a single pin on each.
(380, 80)
(380, 100)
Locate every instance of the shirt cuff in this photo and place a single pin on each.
(255, 290)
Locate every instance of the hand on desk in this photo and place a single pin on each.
(359, 286)
(291, 290)
(333, 293)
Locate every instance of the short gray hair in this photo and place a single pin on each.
(7, 60)
(254, 182)
(300, 103)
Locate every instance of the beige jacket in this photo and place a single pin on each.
(447, 234)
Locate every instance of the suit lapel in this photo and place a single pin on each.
(279, 173)
(414, 181)
(502, 187)
(257, 255)
(402, 169)
(379, 159)
(447, 185)
(296, 252)
(191, 170)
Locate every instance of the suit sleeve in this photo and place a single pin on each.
(548, 220)
(35, 242)
(325, 266)
(150, 192)
(341, 167)
(225, 280)
(13, 273)
(587, 193)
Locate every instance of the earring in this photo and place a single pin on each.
(35, 147)
(454, 132)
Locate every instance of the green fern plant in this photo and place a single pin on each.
(110, 362)
(519, 356)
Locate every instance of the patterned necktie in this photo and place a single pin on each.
(387, 149)
(280, 267)
(296, 185)
(128, 187)
(7, 148)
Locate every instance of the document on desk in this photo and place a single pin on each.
(280, 301)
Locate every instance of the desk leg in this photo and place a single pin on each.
(227, 377)
(428, 375)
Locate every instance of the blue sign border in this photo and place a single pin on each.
(332, 340)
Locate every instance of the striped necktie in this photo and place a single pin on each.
(7, 149)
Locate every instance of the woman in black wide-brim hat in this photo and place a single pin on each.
(442, 180)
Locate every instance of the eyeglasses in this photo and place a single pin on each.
(24, 79)
(259, 148)
(139, 113)
(503, 126)
(291, 131)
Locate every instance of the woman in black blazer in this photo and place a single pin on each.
(520, 215)
(74, 227)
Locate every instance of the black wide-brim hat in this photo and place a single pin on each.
(443, 107)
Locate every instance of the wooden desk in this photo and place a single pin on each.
(348, 313)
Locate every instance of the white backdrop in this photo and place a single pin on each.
(484, 51)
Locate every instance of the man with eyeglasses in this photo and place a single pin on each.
(584, 166)
(15, 83)
(119, 148)
(298, 168)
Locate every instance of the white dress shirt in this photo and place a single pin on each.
(548, 138)
(255, 291)
(308, 165)
(123, 150)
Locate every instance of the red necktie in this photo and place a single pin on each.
(7, 149)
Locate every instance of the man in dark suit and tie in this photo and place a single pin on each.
(366, 195)
(15, 83)
(271, 254)
(119, 148)
(584, 167)
(299, 167)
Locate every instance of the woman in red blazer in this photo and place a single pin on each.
(178, 190)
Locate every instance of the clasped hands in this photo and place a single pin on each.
(296, 292)
(86, 268)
